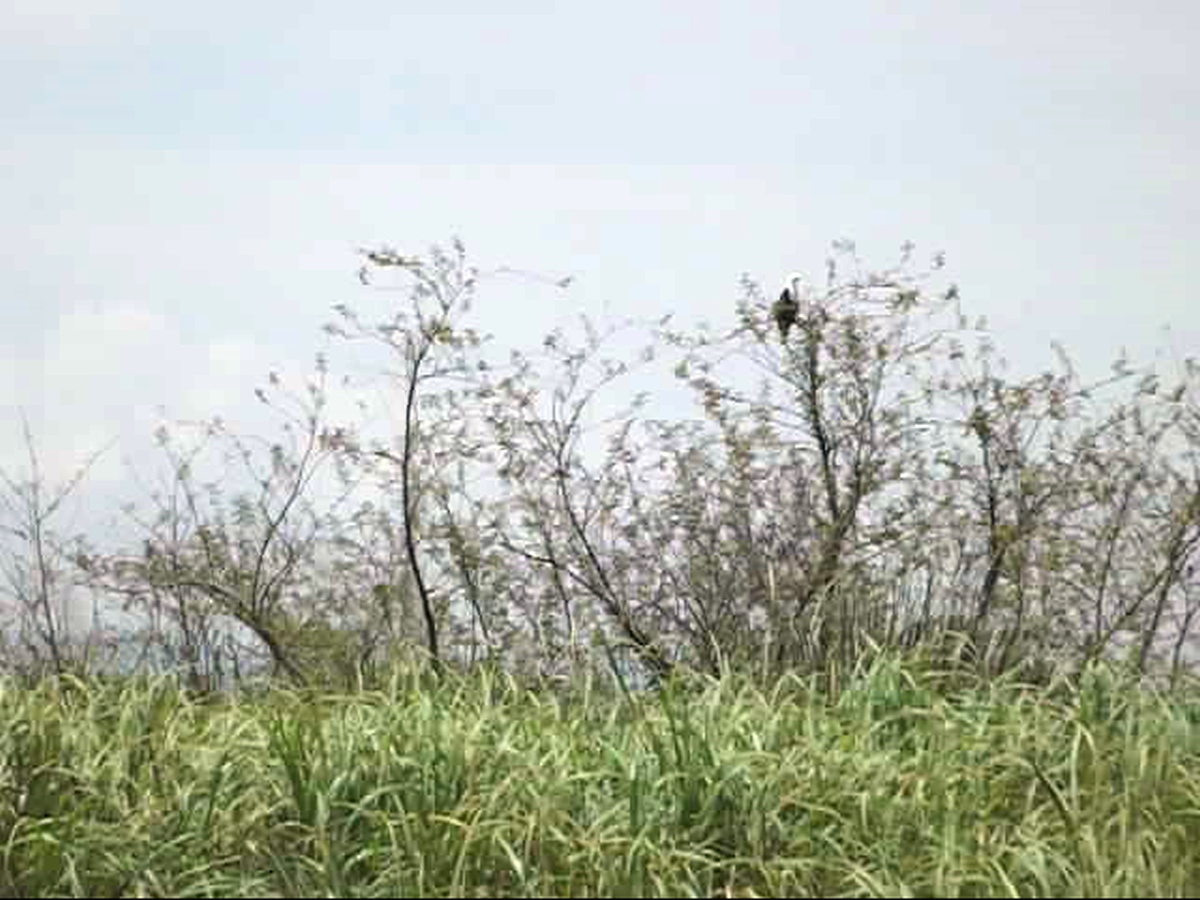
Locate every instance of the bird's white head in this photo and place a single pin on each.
(795, 284)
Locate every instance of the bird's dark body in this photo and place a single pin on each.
(785, 311)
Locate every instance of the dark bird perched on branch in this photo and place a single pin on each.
(787, 307)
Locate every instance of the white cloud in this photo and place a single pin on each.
(88, 340)
(77, 392)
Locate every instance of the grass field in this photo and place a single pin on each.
(891, 785)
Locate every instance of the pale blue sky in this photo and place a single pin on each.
(183, 185)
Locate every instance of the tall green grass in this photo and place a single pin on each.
(894, 784)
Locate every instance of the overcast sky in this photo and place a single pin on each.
(183, 186)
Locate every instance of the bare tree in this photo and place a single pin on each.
(835, 425)
(247, 556)
(432, 346)
(35, 559)
(867, 483)
(571, 485)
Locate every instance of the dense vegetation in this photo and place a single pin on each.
(899, 779)
(873, 478)
(515, 632)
